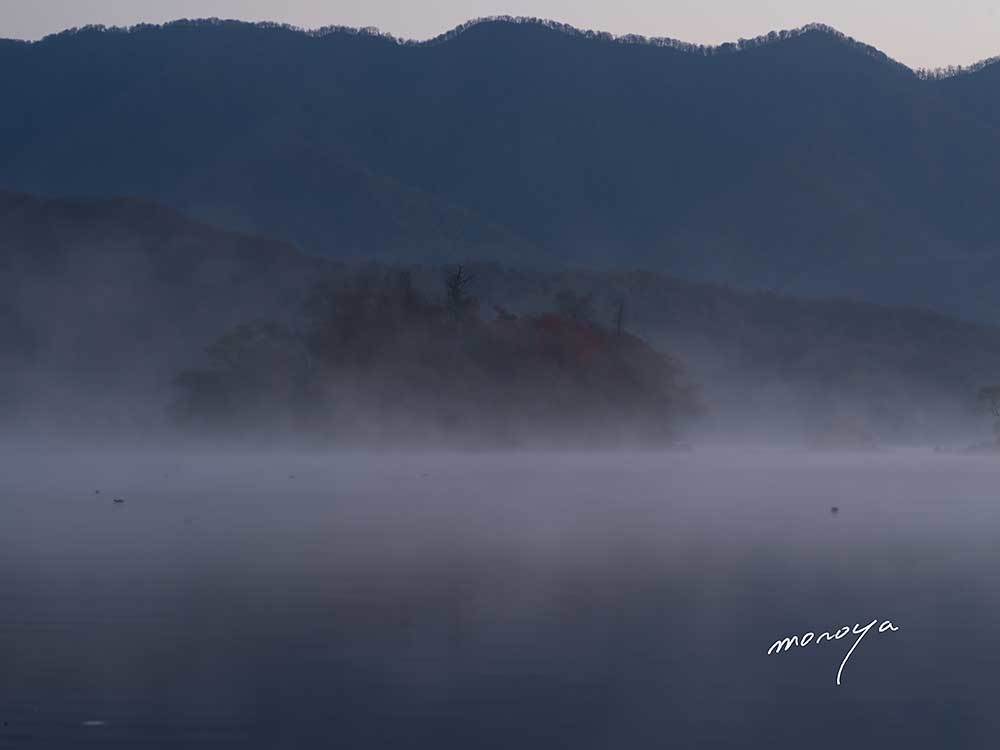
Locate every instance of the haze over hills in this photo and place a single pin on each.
(803, 161)
(104, 302)
(99, 299)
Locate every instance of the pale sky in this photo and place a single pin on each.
(919, 33)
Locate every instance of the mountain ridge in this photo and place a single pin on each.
(733, 46)
(801, 164)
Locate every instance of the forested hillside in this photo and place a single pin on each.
(802, 162)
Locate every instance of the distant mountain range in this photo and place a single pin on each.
(801, 162)
(104, 301)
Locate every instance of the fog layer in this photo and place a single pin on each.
(265, 598)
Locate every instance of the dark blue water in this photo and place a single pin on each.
(496, 601)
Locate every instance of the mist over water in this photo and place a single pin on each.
(495, 423)
(302, 598)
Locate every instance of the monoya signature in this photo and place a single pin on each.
(785, 644)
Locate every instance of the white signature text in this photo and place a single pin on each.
(786, 644)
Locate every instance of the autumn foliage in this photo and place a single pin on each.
(377, 361)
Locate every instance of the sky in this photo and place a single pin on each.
(918, 33)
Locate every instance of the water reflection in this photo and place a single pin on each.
(600, 600)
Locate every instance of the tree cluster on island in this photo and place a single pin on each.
(376, 361)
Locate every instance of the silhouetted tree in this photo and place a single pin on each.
(456, 292)
(620, 318)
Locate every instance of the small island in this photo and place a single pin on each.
(375, 361)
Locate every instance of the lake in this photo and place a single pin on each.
(283, 599)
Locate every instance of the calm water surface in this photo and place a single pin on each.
(604, 600)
